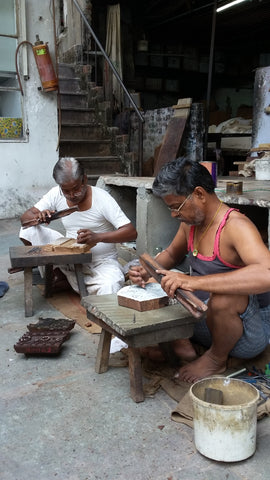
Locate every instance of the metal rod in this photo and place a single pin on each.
(96, 65)
(234, 374)
(210, 73)
(140, 159)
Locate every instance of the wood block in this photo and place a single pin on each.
(144, 305)
(183, 103)
(182, 109)
(67, 245)
(263, 147)
(141, 299)
(46, 342)
(51, 324)
(171, 142)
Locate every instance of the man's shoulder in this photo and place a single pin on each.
(100, 195)
(235, 215)
(50, 199)
(237, 222)
(100, 191)
(54, 191)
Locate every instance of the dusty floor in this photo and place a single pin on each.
(61, 420)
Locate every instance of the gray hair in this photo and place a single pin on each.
(181, 177)
(67, 169)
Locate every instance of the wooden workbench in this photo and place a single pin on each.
(29, 257)
(137, 329)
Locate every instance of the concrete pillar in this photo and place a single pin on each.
(156, 228)
(261, 120)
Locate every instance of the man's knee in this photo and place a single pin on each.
(103, 288)
(108, 288)
(227, 304)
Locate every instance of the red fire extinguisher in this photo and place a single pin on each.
(45, 66)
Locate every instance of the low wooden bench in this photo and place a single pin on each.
(29, 257)
(137, 329)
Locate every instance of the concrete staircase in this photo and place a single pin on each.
(86, 133)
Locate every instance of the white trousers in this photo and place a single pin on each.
(100, 277)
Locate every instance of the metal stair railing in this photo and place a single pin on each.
(115, 72)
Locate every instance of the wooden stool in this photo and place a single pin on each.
(29, 257)
(137, 329)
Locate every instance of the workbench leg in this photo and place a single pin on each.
(80, 280)
(48, 280)
(28, 296)
(103, 352)
(135, 374)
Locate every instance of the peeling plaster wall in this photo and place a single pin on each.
(154, 129)
(261, 120)
(156, 124)
(73, 33)
(26, 165)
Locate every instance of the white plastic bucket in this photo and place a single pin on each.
(225, 432)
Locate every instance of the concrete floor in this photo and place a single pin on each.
(61, 420)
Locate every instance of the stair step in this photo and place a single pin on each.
(82, 141)
(96, 165)
(73, 115)
(72, 147)
(67, 84)
(66, 70)
(82, 131)
(73, 99)
(97, 158)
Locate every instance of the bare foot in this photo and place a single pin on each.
(184, 349)
(202, 367)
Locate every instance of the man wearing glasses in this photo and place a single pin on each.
(229, 269)
(99, 222)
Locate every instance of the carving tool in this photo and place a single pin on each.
(192, 303)
(54, 216)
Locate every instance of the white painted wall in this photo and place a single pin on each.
(26, 165)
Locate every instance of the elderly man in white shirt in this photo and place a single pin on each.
(99, 221)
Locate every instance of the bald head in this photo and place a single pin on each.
(67, 169)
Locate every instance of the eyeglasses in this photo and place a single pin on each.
(177, 210)
(73, 192)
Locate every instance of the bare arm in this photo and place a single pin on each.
(244, 244)
(252, 279)
(33, 216)
(126, 233)
(168, 258)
